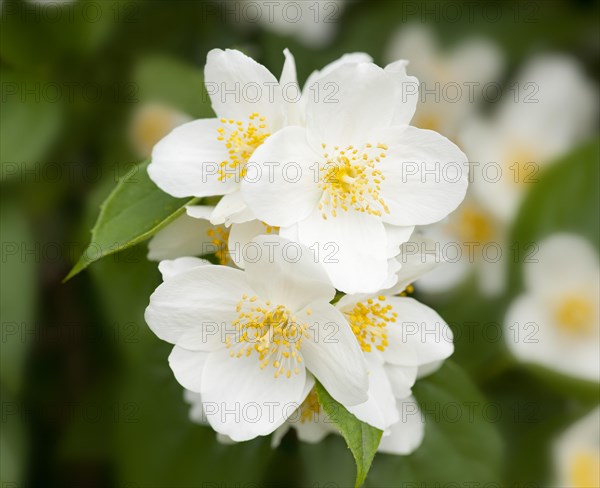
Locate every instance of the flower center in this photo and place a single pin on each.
(271, 331)
(350, 179)
(472, 225)
(521, 165)
(585, 470)
(575, 315)
(219, 238)
(241, 139)
(369, 321)
(310, 407)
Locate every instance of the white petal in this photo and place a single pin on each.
(349, 106)
(417, 258)
(332, 354)
(172, 267)
(426, 176)
(231, 209)
(185, 236)
(285, 272)
(239, 86)
(392, 277)
(290, 89)
(185, 163)
(202, 212)
(240, 237)
(312, 87)
(351, 247)
(396, 236)
(408, 92)
(350, 58)
(380, 408)
(243, 401)
(188, 367)
(419, 335)
(407, 434)
(402, 379)
(191, 308)
(281, 185)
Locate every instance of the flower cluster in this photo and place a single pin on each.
(319, 199)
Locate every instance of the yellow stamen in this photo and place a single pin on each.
(270, 331)
(350, 179)
(369, 321)
(241, 140)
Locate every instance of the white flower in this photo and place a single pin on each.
(355, 181)
(151, 122)
(207, 157)
(452, 81)
(555, 108)
(577, 453)
(401, 340)
(555, 322)
(251, 342)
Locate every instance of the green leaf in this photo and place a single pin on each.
(362, 439)
(134, 211)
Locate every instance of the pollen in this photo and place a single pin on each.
(219, 237)
(270, 331)
(310, 407)
(241, 139)
(270, 229)
(369, 321)
(351, 179)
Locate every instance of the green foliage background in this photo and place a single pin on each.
(87, 398)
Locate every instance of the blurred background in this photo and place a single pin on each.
(88, 87)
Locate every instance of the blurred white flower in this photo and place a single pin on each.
(250, 341)
(150, 122)
(312, 23)
(361, 176)
(555, 109)
(548, 110)
(577, 453)
(470, 240)
(555, 322)
(451, 82)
